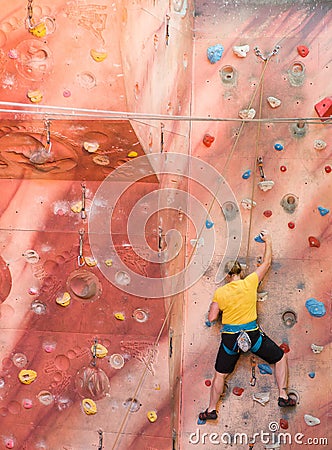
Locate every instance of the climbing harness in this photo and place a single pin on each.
(253, 371)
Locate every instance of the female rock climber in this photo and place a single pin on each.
(240, 332)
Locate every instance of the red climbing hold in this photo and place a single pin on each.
(207, 383)
(267, 213)
(291, 225)
(284, 424)
(207, 140)
(324, 108)
(238, 391)
(283, 168)
(302, 50)
(327, 169)
(284, 347)
(313, 242)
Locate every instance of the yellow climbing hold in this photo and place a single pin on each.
(132, 154)
(152, 416)
(89, 406)
(98, 56)
(35, 96)
(77, 207)
(89, 261)
(119, 316)
(27, 376)
(99, 350)
(39, 30)
(109, 262)
(63, 300)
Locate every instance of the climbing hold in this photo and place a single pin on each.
(201, 422)
(262, 296)
(89, 406)
(247, 203)
(208, 139)
(284, 347)
(208, 323)
(99, 350)
(323, 211)
(64, 299)
(66, 93)
(274, 102)
(289, 318)
(152, 416)
(313, 242)
(109, 262)
(13, 53)
(98, 56)
(328, 169)
(311, 420)
(246, 174)
(317, 348)
(208, 383)
(259, 239)
(197, 242)
(119, 316)
(229, 210)
(116, 361)
(283, 424)
(90, 147)
(214, 53)
(31, 256)
(261, 397)
(132, 154)
(27, 403)
(267, 213)
(238, 391)
(291, 225)
(283, 168)
(27, 376)
(265, 185)
(39, 30)
(209, 224)
(319, 144)
(278, 146)
(9, 443)
(289, 202)
(89, 261)
(296, 73)
(265, 369)
(140, 315)
(302, 50)
(324, 108)
(247, 113)
(311, 374)
(35, 96)
(315, 307)
(241, 50)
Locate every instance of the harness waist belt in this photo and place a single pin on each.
(250, 326)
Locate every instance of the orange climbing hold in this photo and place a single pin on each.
(303, 50)
(313, 242)
(207, 140)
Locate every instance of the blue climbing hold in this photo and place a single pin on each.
(214, 53)
(265, 369)
(209, 224)
(278, 147)
(246, 174)
(323, 211)
(312, 374)
(201, 422)
(315, 307)
(208, 323)
(259, 239)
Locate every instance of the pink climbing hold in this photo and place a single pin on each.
(207, 140)
(313, 242)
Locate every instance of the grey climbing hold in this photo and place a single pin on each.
(230, 210)
(247, 113)
(315, 307)
(289, 202)
(311, 420)
(247, 203)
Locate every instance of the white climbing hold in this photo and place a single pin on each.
(241, 50)
(311, 420)
(317, 348)
(197, 242)
(266, 185)
(261, 296)
(319, 144)
(261, 397)
(247, 203)
(247, 113)
(273, 102)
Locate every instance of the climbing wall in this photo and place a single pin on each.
(245, 53)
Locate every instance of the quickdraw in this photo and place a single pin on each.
(39, 29)
(253, 371)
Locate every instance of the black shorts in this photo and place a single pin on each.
(269, 351)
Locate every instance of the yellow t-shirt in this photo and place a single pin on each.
(237, 300)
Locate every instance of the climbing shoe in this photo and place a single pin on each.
(206, 415)
(285, 402)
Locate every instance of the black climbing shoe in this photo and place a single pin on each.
(206, 415)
